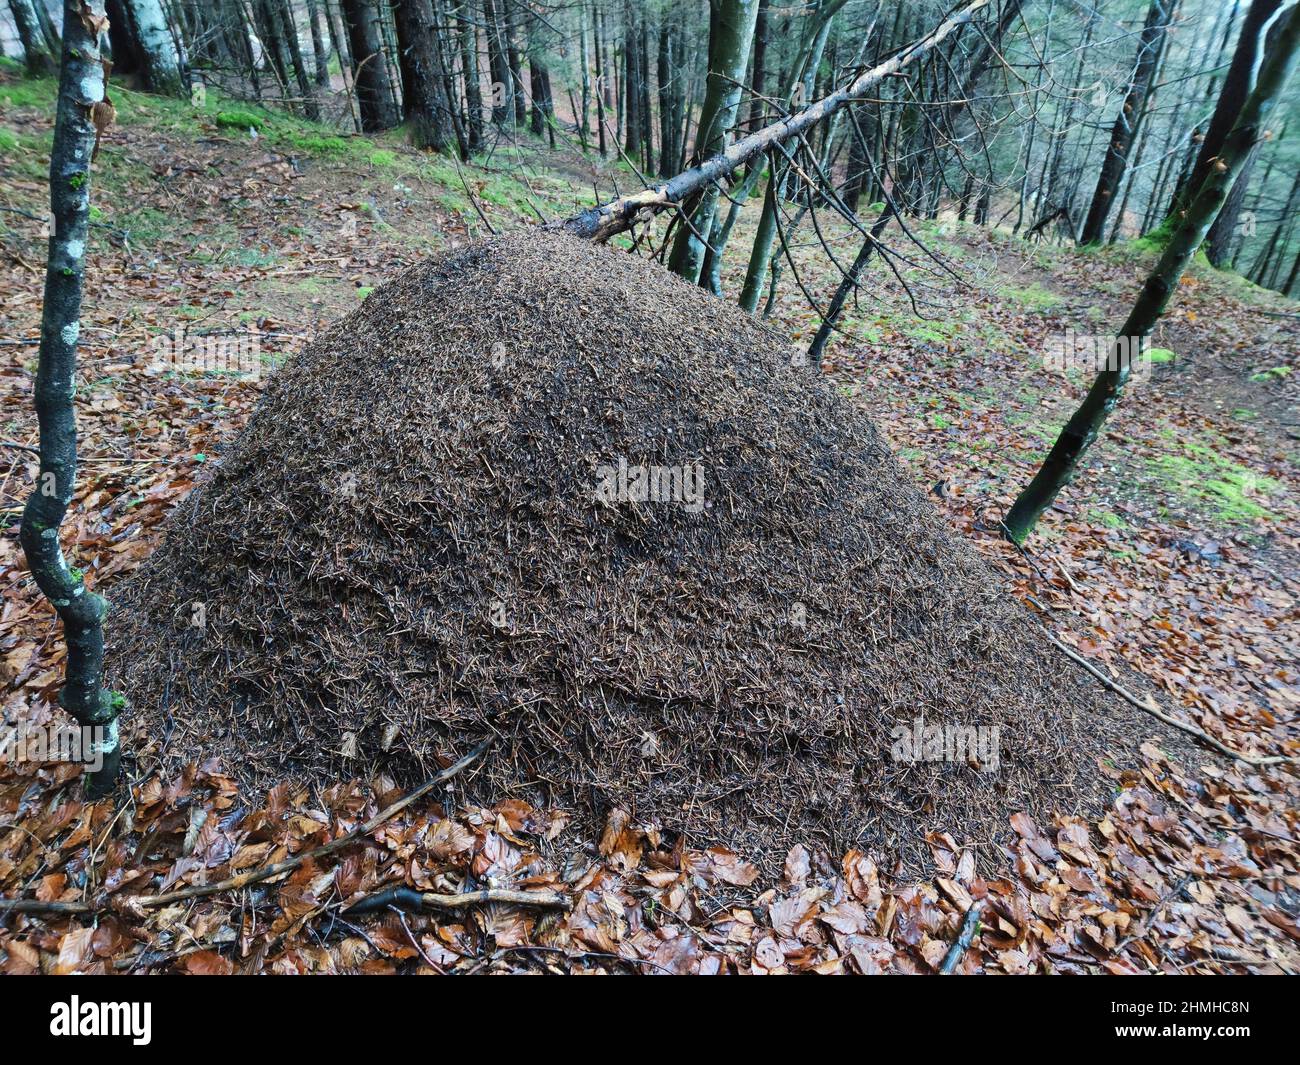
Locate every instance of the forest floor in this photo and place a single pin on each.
(1177, 552)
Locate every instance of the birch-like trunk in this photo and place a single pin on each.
(39, 59)
(162, 63)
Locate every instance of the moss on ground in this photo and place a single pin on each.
(1032, 297)
(1199, 472)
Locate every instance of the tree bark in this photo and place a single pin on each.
(515, 61)
(282, 11)
(142, 45)
(1236, 87)
(730, 33)
(36, 51)
(1150, 45)
(320, 50)
(369, 67)
(422, 98)
(1084, 426)
(81, 90)
(470, 73)
(817, 349)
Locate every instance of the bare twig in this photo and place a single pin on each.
(1150, 707)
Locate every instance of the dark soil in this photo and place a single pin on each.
(405, 553)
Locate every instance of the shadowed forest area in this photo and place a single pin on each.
(649, 486)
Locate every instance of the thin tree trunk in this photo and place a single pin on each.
(1086, 423)
(320, 50)
(81, 91)
(817, 349)
(289, 30)
(1236, 87)
(809, 55)
(1113, 167)
(602, 89)
(470, 73)
(730, 33)
(515, 62)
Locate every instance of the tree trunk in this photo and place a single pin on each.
(848, 283)
(369, 67)
(631, 85)
(804, 66)
(1236, 87)
(151, 42)
(1083, 427)
(417, 59)
(36, 51)
(319, 49)
(81, 91)
(470, 73)
(283, 13)
(602, 89)
(730, 34)
(515, 62)
(1150, 46)
(498, 66)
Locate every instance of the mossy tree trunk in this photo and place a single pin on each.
(81, 89)
(418, 60)
(1085, 424)
(35, 50)
(731, 29)
(807, 60)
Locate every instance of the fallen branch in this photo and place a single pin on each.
(1150, 707)
(1141, 931)
(601, 223)
(965, 937)
(137, 904)
(403, 898)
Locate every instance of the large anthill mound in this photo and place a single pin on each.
(432, 532)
